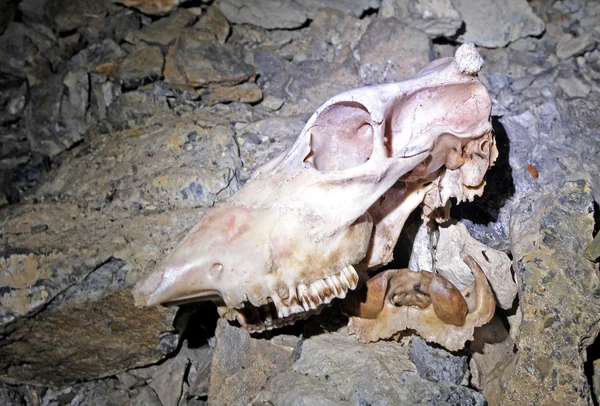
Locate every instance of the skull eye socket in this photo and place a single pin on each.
(341, 137)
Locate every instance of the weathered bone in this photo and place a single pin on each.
(285, 246)
(441, 318)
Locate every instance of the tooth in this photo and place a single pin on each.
(282, 310)
(344, 280)
(321, 288)
(314, 295)
(333, 286)
(304, 297)
(352, 276)
(317, 292)
(240, 319)
(222, 310)
(294, 302)
(341, 286)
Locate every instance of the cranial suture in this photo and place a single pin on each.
(311, 223)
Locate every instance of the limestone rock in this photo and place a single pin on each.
(330, 37)
(245, 93)
(11, 396)
(273, 14)
(263, 140)
(241, 365)
(554, 139)
(334, 369)
(91, 57)
(492, 24)
(68, 15)
(217, 23)
(166, 30)
(573, 86)
(405, 52)
(197, 167)
(152, 7)
(304, 86)
(20, 57)
(53, 126)
(142, 66)
(558, 291)
(492, 355)
(265, 13)
(13, 97)
(438, 18)
(68, 268)
(569, 46)
(198, 62)
(354, 8)
(437, 363)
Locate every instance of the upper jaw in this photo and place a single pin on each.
(293, 303)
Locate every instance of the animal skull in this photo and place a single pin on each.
(297, 234)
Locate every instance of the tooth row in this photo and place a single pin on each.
(303, 301)
(304, 298)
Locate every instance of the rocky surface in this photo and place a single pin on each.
(121, 122)
(332, 369)
(559, 304)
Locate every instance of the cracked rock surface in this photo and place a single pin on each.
(123, 121)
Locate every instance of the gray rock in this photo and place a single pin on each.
(248, 92)
(166, 30)
(83, 261)
(438, 18)
(492, 24)
(217, 23)
(241, 365)
(304, 86)
(198, 62)
(272, 103)
(389, 51)
(103, 93)
(54, 122)
(117, 25)
(334, 369)
(142, 66)
(20, 57)
(355, 8)
(438, 364)
(554, 139)
(569, 46)
(145, 396)
(573, 86)
(13, 97)
(558, 296)
(330, 37)
(74, 103)
(10, 396)
(273, 14)
(97, 54)
(265, 13)
(152, 7)
(197, 168)
(178, 379)
(263, 140)
(168, 380)
(67, 15)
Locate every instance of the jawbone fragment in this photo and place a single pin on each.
(397, 300)
(296, 235)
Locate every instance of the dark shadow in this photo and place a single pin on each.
(197, 323)
(404, 246)
(593, 354)
(498, 189)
